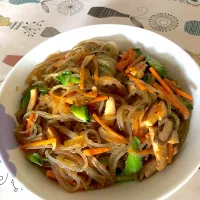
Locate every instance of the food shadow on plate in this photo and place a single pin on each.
(8, 141)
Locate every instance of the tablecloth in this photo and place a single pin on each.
(26, 23)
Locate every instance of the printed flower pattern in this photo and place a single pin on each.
(163, 22)
(70, 7)
(191, 2)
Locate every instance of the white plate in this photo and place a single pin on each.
(180, 66)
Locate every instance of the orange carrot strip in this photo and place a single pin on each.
(95, 151)
(122, 65)
(97, 99)
(170, 152)
(154, 72)
(175, 89)
(119, 137)
(82, 77)
(30, 120)
(173, 100)
(40, 143)
(50, 174)
(141, 84)
(141, 152)
(135, 126)
(141, 138)
(127, 59)
(132, 55)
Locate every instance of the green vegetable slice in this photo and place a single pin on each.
(162, 71)
(75, 80)
(36, 159)
(67, 75)
(81, 112)
(138, 52)
(145, 78)
(25, 99)
(123, 178)
(134, 163)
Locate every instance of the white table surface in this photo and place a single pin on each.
(34, 21)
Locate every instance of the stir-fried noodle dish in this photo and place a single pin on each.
(97, 115)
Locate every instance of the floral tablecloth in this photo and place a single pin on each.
(26, 23)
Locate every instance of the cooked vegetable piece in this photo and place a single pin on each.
(33, 99)
(156, 113)
(138, 52)
(50, 174)
(187, 103)
(95, 151)
(36, 159)
(145, 78)
(122, 178)
(134, 163)
(162, 71)
(26, 98)
(81, 112)
(66, 78)
(104, 160)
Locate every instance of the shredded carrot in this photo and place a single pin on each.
(126, 60)
(120, 138)
(95, 151)
(157, 76)
(136, 122)
(97, 99)
(96, 73)
(170, 152)
(52, 141)
(135, 126)
(135, 62)
(141, 152)
(141, 84)
(141, 138)
(176, 90)
(122, 65)
(173, 100)
(82, 77)
(132, 55)
(50, 174)
(30, 120)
